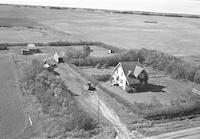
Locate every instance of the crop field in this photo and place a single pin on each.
(177, 36)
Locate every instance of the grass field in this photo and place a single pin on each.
(12, 118)
(174, 35)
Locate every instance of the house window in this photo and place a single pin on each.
(122, 73)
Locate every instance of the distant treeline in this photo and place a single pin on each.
(154, 13)
(119, 12)
(68, 43)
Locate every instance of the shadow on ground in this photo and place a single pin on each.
(151, 88)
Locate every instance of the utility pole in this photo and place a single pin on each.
(79, 60)
(98, 109)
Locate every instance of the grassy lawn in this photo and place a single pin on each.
(162, 88)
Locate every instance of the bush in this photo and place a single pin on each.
(82, 120)
(197, 76)
(101, 77)
(73, 53)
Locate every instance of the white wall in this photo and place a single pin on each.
(122, 77)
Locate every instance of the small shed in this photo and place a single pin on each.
(110, 51)
(33, 48)
(59, 56)
(26, 52)
(31, 45)
(3, 48)
(50, 64)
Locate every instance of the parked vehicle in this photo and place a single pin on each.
(89, 86)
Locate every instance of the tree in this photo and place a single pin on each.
(143, 78)
(197, 76)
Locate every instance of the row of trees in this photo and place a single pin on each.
(172, 65)
(68, 43)
(177, 68)
(113, 60)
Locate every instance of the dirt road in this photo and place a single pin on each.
(92, 101)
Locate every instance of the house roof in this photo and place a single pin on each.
(138, 70)
(134, 67)
(60, 53)
(132, 80)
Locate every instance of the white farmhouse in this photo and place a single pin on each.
(126, 74)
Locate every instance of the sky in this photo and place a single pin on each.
(169, 6)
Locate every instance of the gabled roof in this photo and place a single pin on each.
(138, 70)
(60, 53)
(128, 66)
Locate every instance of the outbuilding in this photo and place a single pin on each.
(26, 52)
(50, 64)
(33, 48)
(59, 57)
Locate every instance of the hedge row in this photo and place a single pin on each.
(68, 43)
(177, 68)
(113, 60)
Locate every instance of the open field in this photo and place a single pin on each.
(174, 35)
(12, 118)
(177, 36)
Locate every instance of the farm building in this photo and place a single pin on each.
(26, 52)
(3, 48)
(129, 75)
(33, 48)
(110, 51)
(59, 56)
(50, 64)
(31, 45)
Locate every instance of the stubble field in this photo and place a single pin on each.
(173, 35)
